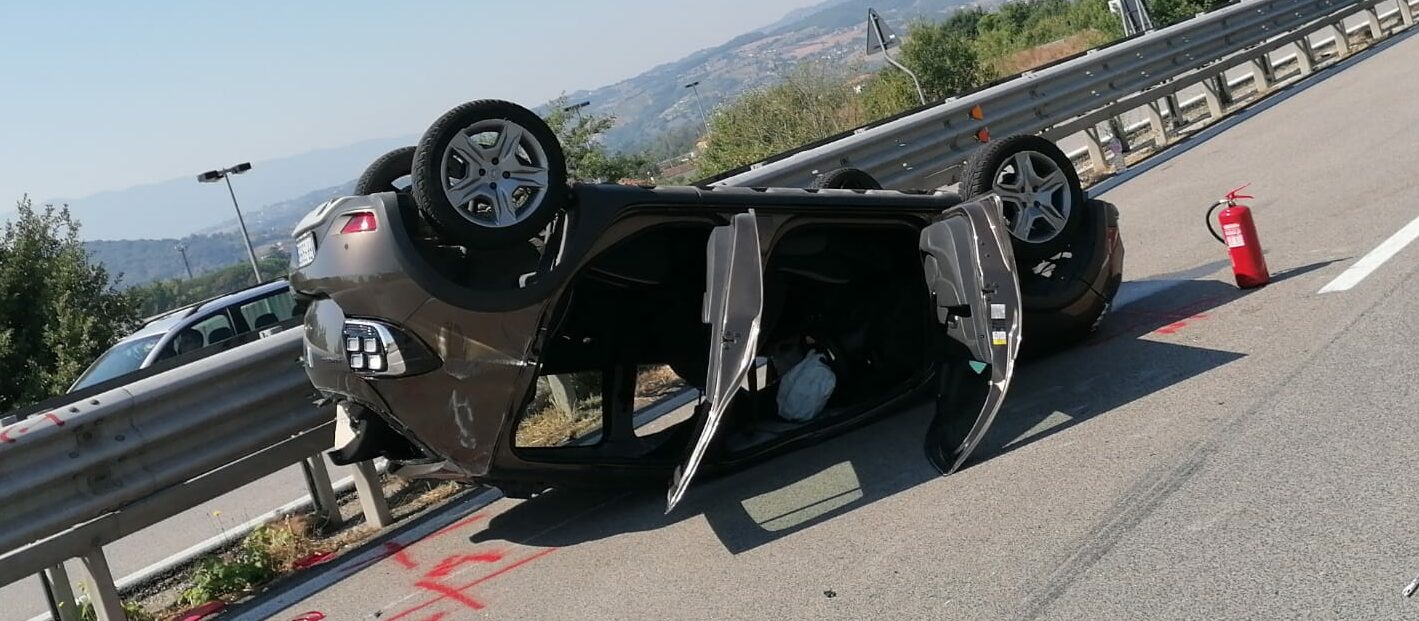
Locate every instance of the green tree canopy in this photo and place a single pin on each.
(58, 311)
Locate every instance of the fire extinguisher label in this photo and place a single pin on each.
(1233, 234)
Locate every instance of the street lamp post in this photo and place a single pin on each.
(225, 174)
(694, 86)
(182, 250)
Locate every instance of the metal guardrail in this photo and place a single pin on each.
(921, 150)
(90, 471)
(84, 475)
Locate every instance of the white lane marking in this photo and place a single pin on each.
(1368, 263)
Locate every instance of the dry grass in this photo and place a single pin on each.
(656, 383)
(552, 425)
(1025, 60)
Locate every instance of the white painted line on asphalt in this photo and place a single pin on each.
(1370, 262)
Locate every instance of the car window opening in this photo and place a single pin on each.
(841, 301)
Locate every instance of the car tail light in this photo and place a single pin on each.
(360, 222)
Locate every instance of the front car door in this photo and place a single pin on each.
(733, 305)
(970, 275)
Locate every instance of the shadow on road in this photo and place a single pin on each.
(793, 492)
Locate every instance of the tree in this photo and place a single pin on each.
(943, 59)
(58, 310)
(587, 158)
(1168, 12)
(812, 102)
(164, 295)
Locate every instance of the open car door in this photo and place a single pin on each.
(733, 304)
(970, 274)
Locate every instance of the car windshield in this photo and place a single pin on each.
(125, 357)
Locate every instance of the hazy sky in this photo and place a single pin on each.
(104, 95)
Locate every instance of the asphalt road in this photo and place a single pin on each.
(1210, 454)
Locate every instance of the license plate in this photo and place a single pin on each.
(305, 250)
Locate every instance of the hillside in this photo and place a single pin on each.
(142, 261)
(656, 102)
(181, 206)
(653, 110)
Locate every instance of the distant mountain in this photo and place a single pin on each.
(145, 260)
(180, 206)
(655, 102)
(791, 18)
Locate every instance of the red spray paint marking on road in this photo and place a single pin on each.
(1134, 319)
(446, 566)
(317, 558)
(1173, 328)
(205, 610)
(455, 526)
(458, 594)
(314, 615)
(435, 617)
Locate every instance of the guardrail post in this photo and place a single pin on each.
(60, 592)
(1377, 31)
(1305, 56)
(1406, 14)
(1174, 111)
(102, 591)
(1342, 40)
(322, 492)
(1161, 135)
(372, 501)
(1261, 74)
(1213, 94)
(1096, 150)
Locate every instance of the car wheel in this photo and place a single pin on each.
(1038, 188)
(1060, 302)
(846, 179)
(389, 173)
(490, 174)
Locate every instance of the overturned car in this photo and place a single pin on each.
(448, 315)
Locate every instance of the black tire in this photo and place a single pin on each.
(430, 178)
(1065, 308)
(979, 177)
(385, 171)
(846, 179)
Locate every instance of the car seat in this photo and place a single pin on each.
(187, 340)
(265, 320)
(218, 335)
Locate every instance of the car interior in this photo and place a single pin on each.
(848, 298)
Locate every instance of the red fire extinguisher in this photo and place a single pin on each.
(1239, 234)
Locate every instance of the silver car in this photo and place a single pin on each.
(190, 328)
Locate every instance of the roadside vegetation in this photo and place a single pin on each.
(58, 311)
(163, 295)
(957, 55)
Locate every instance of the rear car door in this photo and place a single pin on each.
(733, 305)
(970, 275)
